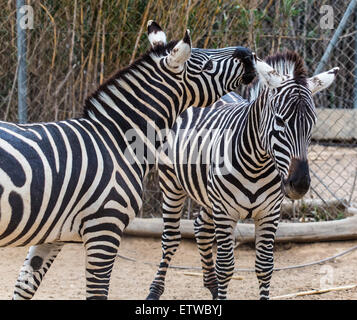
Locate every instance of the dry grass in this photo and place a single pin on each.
(75, 45)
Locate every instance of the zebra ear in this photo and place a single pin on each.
(268, 75)
(180, 53)
(155, 34)
(322, 80)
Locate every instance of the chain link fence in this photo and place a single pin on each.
(74, 45)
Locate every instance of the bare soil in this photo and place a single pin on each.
(131, 280)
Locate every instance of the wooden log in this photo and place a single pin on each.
(344, 229)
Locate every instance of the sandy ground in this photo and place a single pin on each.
(131, 280)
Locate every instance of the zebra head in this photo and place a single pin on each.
(204, 74)
(288, 117)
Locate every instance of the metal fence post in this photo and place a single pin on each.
(355, 88)
(22, 67)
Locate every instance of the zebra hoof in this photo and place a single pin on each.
(214, 292)
(153, 296)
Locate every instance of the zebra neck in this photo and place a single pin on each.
(133, 116)
(133, 107)
(251, 140)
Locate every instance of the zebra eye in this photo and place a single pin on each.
(280, 124)
(208, 65)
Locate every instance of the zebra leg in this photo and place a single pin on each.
(265, 230)
(39, 259)
(101, 241)
(204, 234)
(171, 237)
(100, 258)
(225, 252)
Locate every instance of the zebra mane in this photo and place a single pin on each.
(159, 50)
(288, 63)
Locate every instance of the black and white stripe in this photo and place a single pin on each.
(237, 160)
(81, 180)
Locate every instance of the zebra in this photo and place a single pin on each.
(238, 159)
(81, 180)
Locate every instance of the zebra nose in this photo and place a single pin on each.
(246, 56)
(242, 52)
(299, 178)
(300, 184)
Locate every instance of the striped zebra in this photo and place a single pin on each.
(238, 159)
(81, 180)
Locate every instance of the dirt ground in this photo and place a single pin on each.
(131, 280)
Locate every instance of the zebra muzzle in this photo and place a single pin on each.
(298, 181)
(246, 56)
